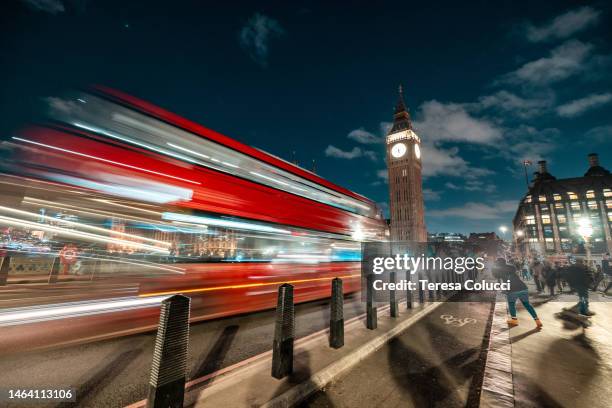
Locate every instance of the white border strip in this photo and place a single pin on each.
(497, 386)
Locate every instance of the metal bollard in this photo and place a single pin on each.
(408, 291)
(393, 306)
(421, 291)
(284, 333)
(431, 292)
(4, 269)
(168, 370)
(371, 310)
(336, 319)
(54, 271)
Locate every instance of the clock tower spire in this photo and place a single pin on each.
(405, 181)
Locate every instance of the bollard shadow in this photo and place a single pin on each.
(216, 355)
(105, 374)
(428, 384)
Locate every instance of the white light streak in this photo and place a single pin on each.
(105, 160)
(222, 223)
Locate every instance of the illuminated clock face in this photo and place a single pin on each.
(417, 151)
(398, 150)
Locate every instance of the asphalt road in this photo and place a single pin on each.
(115, 372)
(438, 362)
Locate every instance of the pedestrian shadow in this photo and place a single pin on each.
(216, 355)
(519, 337)
(87, 390)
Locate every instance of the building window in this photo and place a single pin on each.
(590, 194)
(544, 208)
(572, 196)
(608, 203)
(557, 197)
(542, 198)
(610, 216)
(559, 206)
(404, 172)
(592, 205)
(530, 220)
(528, 199)
(607, 192)
(561, 218)
(575, 206)
(545, 219)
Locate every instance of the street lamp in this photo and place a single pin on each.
(520, 233)
(585, 229)
(503, 230)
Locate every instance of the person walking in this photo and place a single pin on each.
(536, 270)
(550, 277)
(518, 291)
(579, 279)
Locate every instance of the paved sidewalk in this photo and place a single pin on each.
(564, 364)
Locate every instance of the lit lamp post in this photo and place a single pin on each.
(585, 229)
(503, 230)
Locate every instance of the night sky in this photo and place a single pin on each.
(488, 83)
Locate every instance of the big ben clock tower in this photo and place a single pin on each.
(405, 182)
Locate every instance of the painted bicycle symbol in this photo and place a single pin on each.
(457, 322)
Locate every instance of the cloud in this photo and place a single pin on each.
(440, 161)
(255, 37)
(564, 25)
(509, 103)
(599, 134)
(528, 142)
(579, 106)
(363, 136)
(478, 211)
(431, 195)
(563, 61)
(383, 175)
(47, 6)
(451, 122)
(472, 185)
(356, 152)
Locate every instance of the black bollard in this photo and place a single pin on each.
(54, 270)
(336, 316)
(393, 306)
(4, 269)
(167, 382)
(371, 310)
(284, 333)
(431, 292)
(421, 291)
(408, 291)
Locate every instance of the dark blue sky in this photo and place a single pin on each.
(488, 83)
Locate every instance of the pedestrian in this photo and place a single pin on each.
(518, 291)
(579, 279)
(536, 269)
(598, 277)
(559, 279)
(550, 277)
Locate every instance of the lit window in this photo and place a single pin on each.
(559, 206)
(610, 216)
(572, 196)
(542, 198)
(561, 218)
(575, 206)
(530, 220)
(592, 205)
(528, 199)
(557, 197)
(609, 203)
(546, 219)
(607, 192)
(590, 194)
